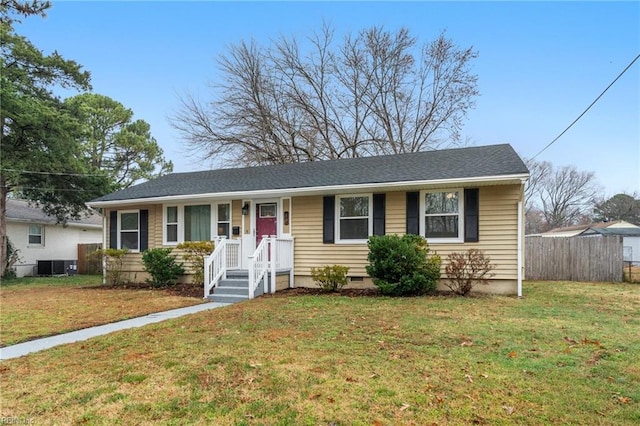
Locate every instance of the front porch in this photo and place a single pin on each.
(268, 268)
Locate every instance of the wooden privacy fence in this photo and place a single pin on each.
(88, 264)
(574, 258)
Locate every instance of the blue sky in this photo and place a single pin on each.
(539, 66)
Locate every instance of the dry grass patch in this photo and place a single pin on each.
(550, 358)
(38, 307)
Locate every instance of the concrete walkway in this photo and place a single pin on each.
(25, 348)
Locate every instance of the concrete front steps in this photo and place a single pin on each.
(233, 289)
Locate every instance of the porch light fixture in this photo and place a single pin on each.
(245, 209)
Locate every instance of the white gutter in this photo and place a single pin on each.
(314, 190)
(519, 249)
(104, 247)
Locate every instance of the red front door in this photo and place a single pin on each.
(266, 222)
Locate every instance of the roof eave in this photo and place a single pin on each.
(495, 180)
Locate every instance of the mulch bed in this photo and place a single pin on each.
(180, 289)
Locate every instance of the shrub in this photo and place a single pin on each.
(114, 259)
(195, 252)
(13, 257)
(401, 266)
(162, 266)
(466, 269)
(330, 278)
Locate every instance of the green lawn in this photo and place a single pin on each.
(567, 353)
(37, 307)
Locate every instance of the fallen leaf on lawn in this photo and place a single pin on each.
(255, 365)
(331, 400)
(404, 407)
(624, 399)
(512, 354)
(466, 343)
(508, 410)
(469, 378)
(570, 340)
(486, 376)
(377, 423)
(314, 396)
(351, 380)
(373, 376)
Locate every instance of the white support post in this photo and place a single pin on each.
(251, 276)
(273, 240)
(291, 283)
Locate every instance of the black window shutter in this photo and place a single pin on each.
(144, 230)
(471, 215)
(113, 229)
(413, 213)
(328, 219)
(378, 214)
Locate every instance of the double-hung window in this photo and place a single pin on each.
(36, 235)
(129, 230)
(224, 220)
(354, 218)
(443, 219)
(171, 225)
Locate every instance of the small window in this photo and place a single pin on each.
(442, 215)
(129, 230)
(36, 235)
(197, 223)
(354, 221)
(267, 210)
(224, 220)
(172, 224)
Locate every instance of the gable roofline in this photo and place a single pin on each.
(319, 190)
(23, 211)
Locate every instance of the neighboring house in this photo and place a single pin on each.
(321, 213)
(629, 232)
(39, 238)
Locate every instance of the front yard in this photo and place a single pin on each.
(568, 353)
(38, 307)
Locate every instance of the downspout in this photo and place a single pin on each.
(104, 247)
(519, 261)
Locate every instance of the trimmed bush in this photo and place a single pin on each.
(162, 266)
(194, 253)
(114, 260)
(467, 269)
(402, 266)
(330, 278)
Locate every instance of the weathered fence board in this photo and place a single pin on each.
(574, 258)
(88, 264)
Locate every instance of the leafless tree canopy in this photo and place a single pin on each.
(558, 197)
(376, 92)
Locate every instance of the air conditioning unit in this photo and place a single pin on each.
(57, 267)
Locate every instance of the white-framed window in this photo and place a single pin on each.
(224, 219)
(171, 225)
(268, 210)
(129, 230)
(36, 235)
(443, 218)
(196, 222)
(354, 222)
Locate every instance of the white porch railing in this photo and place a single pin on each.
(258, 267)
(226, 255)
(272, 254)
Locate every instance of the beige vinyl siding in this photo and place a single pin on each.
(497, 226)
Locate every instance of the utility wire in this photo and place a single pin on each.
(588, 108)
(31, 172)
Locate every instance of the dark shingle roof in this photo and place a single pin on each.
(460, 163)
(23, 211)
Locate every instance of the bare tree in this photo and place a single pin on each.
(567, 195)
(557, 197)
(376, 92)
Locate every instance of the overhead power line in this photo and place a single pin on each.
(32, 172)
(588, 108)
